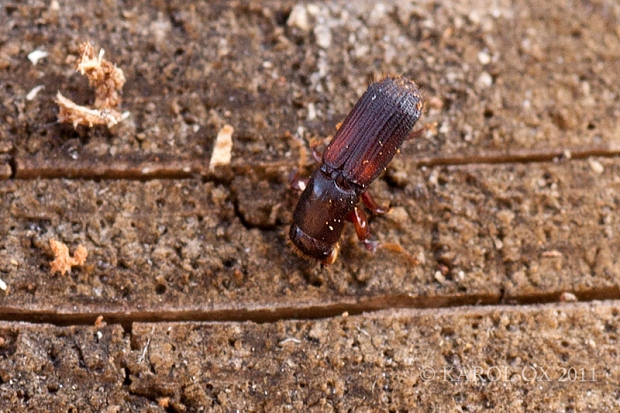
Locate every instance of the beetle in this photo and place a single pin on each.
(362, 148)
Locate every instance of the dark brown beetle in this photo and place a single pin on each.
(365, 143)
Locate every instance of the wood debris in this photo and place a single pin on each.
(222, 150)
(34, 92)
(99, 323)
(107, 80)
(163, 402)
(37, 55)
(62, 260)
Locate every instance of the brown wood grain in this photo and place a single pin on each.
(168, 249)
(508, 202)
(502, 357)
(5, 171)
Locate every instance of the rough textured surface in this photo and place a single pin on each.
(5, 168)
(501, 359)
(496, 359)
(498, 76)
(509, 197)
(62, 369)
(481, 232)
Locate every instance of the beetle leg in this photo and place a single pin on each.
(303, 152)
(295, 182)
(372, 205)
(417, 133)
(358, 217)
(332, 256)
(318, 156)
(362, 229)
(399, 249)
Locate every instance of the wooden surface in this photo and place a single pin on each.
(508, 202)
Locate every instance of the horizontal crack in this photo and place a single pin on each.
(182, 169)
(301, 312)
(521, 156)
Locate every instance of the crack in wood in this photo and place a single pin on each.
(522, 156)
(144, 170)
(301, 312)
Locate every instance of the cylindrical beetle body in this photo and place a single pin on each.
(365, 143)
(319, 216)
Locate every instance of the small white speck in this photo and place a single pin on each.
(484, 58)
(323, 36)
(568, 297)
(439, 277)
(596, 166)
(222, 150)
(289, 340)
(33, 93)
(37, 55)
(298, 17)
(3, 286)
(474, 17)
(313, 9)
(485, 80)
(311, 111)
